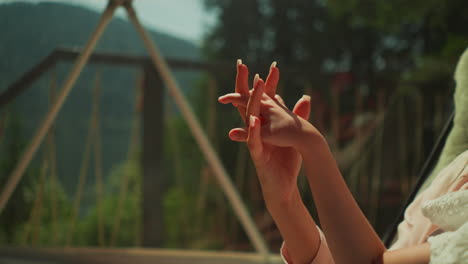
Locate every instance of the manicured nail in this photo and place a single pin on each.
(252, 121)
(239, 61)
(256, 79)
(220, 99)
(234, 136)
(273, 64)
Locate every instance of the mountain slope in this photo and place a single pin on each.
(31, 31)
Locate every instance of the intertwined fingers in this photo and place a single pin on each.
(302, 109)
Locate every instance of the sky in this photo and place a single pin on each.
(186, 19)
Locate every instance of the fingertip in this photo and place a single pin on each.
(274, 73)
(239, 61)
(258, 121)
(243, 68)
(279, 99)
(233, 135)
(237, 134)
(306, 97)
(259, 84)
(255, 81)
(222, 99)
(252, 121)
(273, 65)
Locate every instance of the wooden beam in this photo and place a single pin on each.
(128, 255)
(153, 183)
(234, 198)
(20, 85)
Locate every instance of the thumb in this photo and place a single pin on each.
(302, 107)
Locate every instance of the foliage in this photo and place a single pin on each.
(389, 48)
(18, 223)
(121, 222)
(16, 211)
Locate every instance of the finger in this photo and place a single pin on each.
(302, 107)
(272, 80)
(234, 98)
(253, 106)
(255, 80)
(279, 99)
(254, 140)
(242, 78)
(239, 134)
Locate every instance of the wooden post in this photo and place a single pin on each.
(200, 137)
(153, 179)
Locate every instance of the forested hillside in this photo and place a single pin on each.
(30, 32)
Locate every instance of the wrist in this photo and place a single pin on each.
(280, 204)
(309, 138)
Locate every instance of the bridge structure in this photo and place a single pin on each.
(157, 73)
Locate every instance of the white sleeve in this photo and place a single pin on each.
(323, 254)
(450, 247)
(449, 211)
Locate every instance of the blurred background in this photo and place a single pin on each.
(380, 75)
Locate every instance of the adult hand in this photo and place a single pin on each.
(277, 166)
(242, 94)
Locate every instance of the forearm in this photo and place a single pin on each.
(349, 235)
(296, 226)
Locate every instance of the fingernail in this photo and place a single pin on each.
(252, 121)
(239, 61)
(306, 97)
(234, 136)
(273, 64)
(256, 79)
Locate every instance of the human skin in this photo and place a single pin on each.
(277, 170)
(350, 237)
